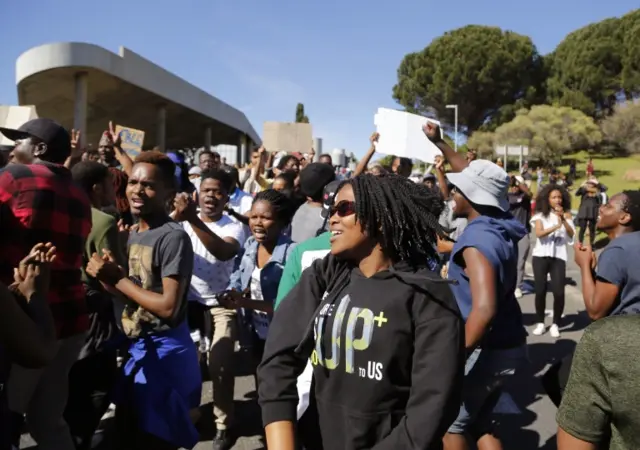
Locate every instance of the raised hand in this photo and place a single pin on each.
(41, 252)
(75, 141)
(33, 275)
(432, 131)
(375, 136)
(184, 208)
(115, 138)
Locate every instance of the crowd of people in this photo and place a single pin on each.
(380, 312)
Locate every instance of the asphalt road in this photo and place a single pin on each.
(532, 429)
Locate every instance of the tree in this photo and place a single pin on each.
(550, 131)
(594, 66)
(622, 129)
(386, 161)
(630, 31)
(483, 143)
(481, 69)
(300, 115)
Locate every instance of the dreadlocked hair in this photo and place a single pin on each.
(402, 216)
(283, 207)
(632, 206)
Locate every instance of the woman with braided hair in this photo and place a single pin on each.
(381, 328)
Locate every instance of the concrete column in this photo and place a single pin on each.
(243, 143)
(80, 106)
(240, 148)
(161, 128)
(249, 145)
(317, 147)
(207, 138)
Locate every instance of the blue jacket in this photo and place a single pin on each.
(245, 264)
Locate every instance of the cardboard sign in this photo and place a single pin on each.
(401, 135)
(287, 137)
(14, 117)
(132, 140)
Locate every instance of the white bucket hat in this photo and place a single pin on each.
(483, 183)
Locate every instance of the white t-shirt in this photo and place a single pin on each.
(210, 275)
(241, 203)
(553, 245)
(306, 377)
(260, 318)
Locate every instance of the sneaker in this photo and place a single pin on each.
(554, 331)
(518, 293)
(539, 329)
(222, 440)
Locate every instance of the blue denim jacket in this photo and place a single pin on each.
(245, 264)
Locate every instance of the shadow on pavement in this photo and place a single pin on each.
(526, 389)
(570, 322)
(247, 414)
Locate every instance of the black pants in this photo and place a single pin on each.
(91, 383)
(555, 267)
(128, 435)
(591, 225)
(309, 434)
(257, 350)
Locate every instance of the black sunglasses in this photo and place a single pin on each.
(343, 209)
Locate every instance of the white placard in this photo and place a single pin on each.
(401, 135)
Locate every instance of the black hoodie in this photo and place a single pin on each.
(388, 356)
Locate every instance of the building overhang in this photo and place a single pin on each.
(128, 90)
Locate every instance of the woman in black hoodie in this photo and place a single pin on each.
(381, 328)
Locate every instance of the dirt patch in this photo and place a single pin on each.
(632, 175)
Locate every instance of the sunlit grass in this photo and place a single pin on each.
(609, 171)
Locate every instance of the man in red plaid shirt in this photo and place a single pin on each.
(39, 202)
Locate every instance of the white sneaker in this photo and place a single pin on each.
(518, 293)
(554, 331)
(539, 329)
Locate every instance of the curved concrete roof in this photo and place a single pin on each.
(131, 69)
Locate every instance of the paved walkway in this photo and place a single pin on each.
(536, 427)
(533, 429)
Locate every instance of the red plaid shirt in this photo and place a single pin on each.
(41, 203)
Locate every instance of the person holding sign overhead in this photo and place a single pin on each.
(400, 166)
(111, 150)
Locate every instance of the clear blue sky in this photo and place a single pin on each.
(338, 57)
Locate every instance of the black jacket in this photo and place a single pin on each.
(388, 356)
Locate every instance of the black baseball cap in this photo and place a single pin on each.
(48, 131)
(327, 199)
(314, 178)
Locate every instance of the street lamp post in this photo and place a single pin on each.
(455, 111)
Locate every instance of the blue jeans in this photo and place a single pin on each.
(485, 373)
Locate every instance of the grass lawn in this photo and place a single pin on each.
(609, 171)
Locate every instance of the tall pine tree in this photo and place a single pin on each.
(300, 115)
